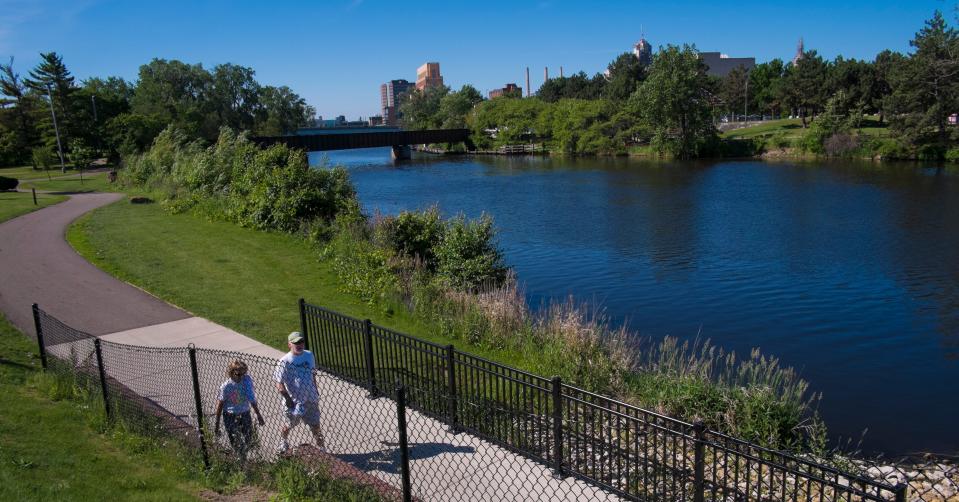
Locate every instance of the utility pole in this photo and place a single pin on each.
(63, 167)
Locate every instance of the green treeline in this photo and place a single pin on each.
(111, 116)
(672, 107)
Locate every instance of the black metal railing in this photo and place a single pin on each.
(631, 452)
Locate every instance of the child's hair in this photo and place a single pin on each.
(237, 366)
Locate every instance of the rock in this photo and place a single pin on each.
(140, 200)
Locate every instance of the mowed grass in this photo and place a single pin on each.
(91, 182)
(26, 172)
(49, 451)
(13, 204)
(244, 279)
(792, 129)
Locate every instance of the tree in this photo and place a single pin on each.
(732, 90)
(926, 89)
(179, 94)
(282, 111)
(20, 119)
(455, 106)
(765, 80)
(674, 102)
(576, 86)
(420, 108)
(52, 78)
(886, 65)
(234, 96)
(625, 73)
(803, 86)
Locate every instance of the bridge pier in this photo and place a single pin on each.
(402, 152)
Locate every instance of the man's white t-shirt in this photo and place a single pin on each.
(296, 373)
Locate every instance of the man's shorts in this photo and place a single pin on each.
(308, 413)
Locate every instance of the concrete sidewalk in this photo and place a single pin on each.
(37, 265)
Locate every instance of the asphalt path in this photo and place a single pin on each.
(38, 266)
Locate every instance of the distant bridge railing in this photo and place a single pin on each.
(324, 142)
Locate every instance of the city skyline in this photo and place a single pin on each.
(311, 49)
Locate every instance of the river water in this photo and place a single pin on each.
(848, 272)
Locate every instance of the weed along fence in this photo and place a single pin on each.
(626, 451)
(408, 419)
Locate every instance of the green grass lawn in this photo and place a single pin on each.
(244, 279)
(13, 204)
(48, 451)
(24, 172)
(792, 128)
(92, 182)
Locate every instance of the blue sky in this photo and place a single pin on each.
(337, 53)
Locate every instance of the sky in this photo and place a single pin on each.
(336, 53)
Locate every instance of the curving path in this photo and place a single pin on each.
(38, 266)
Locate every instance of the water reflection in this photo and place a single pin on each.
(847, 271)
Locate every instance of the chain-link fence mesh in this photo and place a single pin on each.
(468, 428)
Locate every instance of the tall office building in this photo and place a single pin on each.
(643, 52)
(719, 65)
(390, 99)
(428, 75)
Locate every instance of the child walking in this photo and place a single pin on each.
(234, 401)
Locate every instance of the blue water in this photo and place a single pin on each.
(847, 272)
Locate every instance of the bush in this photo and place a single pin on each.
(8, 183)
(467, 257)
(42, 157)
(840, 144)
(952, 155)
(891, 148)
(415, 234)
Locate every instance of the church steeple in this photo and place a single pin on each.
(799, 52)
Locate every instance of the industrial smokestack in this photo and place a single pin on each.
(560, 72)
(545, 74)
(527, 81)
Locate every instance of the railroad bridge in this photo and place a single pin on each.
(323, 139)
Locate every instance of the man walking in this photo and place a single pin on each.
(295, 377)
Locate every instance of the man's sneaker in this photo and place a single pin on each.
(283, 447)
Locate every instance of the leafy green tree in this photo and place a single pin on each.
(455, 106)
(498, 122)
(804, 84)
(674, 102)
(17, 115)
(733, 89)
(765, 80)
(179, 94)
(282, 111)
(625, 73)
(926, 88)
(420, 108)
(111, 96)
(576, 86)
(467, 256)
(234, 96)
(886, 65)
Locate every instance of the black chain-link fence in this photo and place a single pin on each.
(413, 420)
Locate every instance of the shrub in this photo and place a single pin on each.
(467, 256)
(840, 144)
(952, 155)
(891, 148)
(81, 155)
(414, 233)
(8, 183)
(42, 157)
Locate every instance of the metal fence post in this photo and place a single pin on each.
(558, 427)
(368, 353)
(199, 405)
(404, 443)
(306, 335)
(39, 328)
(103, 377)
(699, 462)
(902, 490)
(452, 395)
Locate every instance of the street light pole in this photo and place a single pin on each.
(96, 130)
(56, 129)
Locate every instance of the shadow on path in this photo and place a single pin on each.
(388, 459)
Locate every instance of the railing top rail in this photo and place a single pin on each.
(620, 404)
(787, 456)
(377, 327)
(465, 355)
(331, 312)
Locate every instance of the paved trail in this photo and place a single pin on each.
(38, 266)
